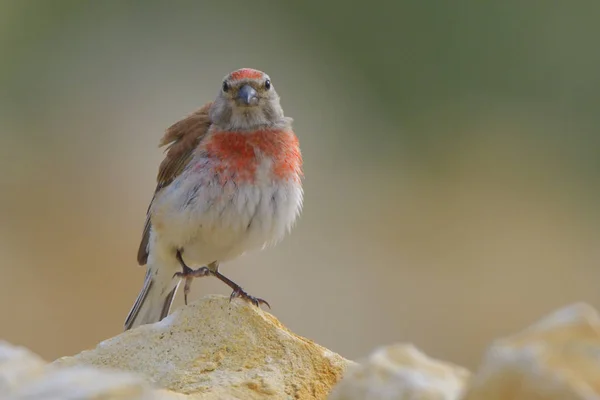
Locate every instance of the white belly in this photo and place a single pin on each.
(212, 222)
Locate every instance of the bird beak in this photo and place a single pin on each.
(247, 95)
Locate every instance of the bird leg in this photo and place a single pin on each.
(213, 269)
(189, 274)
(237, 289)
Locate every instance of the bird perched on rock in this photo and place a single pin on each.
(230, 183)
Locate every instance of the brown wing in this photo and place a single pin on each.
(182, 139)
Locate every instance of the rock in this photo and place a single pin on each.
(556, 358)
(25, 376)
(214, 349)
(17, 365)
(401, 372)
(217, 349)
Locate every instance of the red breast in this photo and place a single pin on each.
(236, 153)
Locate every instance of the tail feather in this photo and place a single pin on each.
(154, 301)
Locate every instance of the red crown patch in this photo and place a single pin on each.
(246, 73)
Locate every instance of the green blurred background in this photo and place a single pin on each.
(451, 157)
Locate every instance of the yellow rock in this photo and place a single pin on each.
(557, 358)
(17, 367)
(214, 349)
(401, 372)
(25, 376)
(217, 349)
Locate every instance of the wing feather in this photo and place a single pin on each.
(181, 139)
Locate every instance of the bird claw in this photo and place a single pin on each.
(239, 292)
(189, 275)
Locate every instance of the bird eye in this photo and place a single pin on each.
(267, 84)
(225, 86)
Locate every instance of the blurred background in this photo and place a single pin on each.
(451, 157)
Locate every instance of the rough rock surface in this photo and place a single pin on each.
(25, 376)
(217, 349)
(400, 372)
(555, 358)
(214, 349)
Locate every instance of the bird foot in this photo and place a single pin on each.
(189, 274)
(239, 292)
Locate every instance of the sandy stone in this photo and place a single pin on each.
(401, 372)
(217, 349)
(17, 366)
(25, 376)
(214, 349)
(555, 358)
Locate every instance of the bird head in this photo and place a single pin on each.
(247, 100)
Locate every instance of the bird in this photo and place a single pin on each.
(230, 183)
